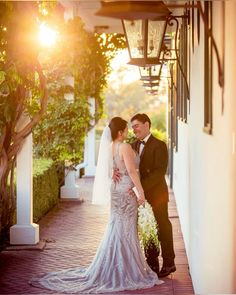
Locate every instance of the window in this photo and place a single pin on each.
(173, 103)
(181, 80)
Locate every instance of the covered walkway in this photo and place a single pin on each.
(72, 232)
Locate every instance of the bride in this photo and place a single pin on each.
(119, 263)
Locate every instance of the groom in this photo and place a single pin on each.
(153, 164)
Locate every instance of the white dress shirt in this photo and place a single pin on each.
(142, 145)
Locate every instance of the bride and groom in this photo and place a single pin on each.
(119, 263)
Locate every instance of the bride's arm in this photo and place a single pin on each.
(128, 156)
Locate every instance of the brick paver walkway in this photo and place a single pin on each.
(73, 231)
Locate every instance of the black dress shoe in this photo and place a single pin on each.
(166, 270)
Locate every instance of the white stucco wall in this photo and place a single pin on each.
(204, 170)
(181, 179)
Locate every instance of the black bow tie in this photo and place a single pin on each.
(142, 142)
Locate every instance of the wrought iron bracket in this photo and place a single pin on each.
(170, 20)
(210, 35)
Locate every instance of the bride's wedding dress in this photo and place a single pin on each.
(119, 263)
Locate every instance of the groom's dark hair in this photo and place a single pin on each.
(141, 118)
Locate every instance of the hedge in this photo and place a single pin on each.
(45, 187)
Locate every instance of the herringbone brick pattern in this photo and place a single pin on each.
(72, 231)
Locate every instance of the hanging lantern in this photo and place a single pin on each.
(144, 38)
(150, 74)
(144, 24)
(151, 84)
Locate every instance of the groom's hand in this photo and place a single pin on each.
(116, 175)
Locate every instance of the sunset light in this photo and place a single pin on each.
(47, 36)
(120, 61)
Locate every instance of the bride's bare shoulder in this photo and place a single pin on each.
(126, 146)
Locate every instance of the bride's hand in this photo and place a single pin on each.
(141, 200)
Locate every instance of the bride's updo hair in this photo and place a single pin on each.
(117, 124)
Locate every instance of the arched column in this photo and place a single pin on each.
(24, 232)
(89, 147)
(70, 190)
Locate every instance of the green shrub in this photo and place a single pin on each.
(45, 193)
(60, 169)
(159, 134)
(155, 132)
(45, 187)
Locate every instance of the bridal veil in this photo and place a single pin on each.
(102, 181)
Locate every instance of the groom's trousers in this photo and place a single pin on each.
(165, 234)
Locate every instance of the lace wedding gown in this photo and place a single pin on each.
(119, 263)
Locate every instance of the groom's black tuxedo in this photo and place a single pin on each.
(152, 169)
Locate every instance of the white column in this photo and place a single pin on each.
(24, 232)
(70, 190)
(68, 14)
(70, 81)
(89, 153)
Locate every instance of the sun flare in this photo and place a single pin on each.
(120, 61)
(47, 36)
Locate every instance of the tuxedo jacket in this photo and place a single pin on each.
(152, 169)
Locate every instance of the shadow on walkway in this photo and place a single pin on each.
(72, 231)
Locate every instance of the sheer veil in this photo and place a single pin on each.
(102, 181)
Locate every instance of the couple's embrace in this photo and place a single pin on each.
(119, 263)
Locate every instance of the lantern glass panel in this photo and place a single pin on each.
(150, 71)
(155, 70)
(134, 31)
(151, 88)
(156, 31)
(144, 71)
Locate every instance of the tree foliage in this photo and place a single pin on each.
(127, 98)
(158, 117)
(85, 56)
(20, 73)
(27, 75)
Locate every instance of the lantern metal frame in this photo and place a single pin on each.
(167, 52)
(151, 76)
(151, 10)
(145, 45)
(152, 92)
(151, 84)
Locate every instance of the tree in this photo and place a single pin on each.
(23, 73)
(60, 135)
(126, 98)
(158, 117)
(20, 74)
